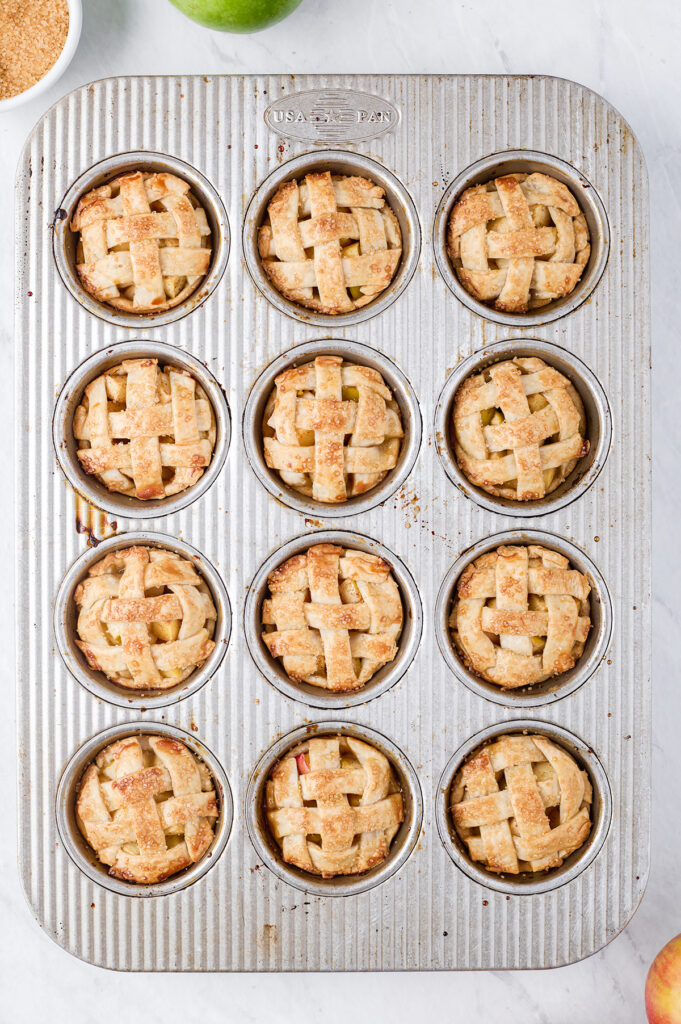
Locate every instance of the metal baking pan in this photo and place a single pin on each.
(422, 138)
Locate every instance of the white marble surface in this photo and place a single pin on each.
(629, 53)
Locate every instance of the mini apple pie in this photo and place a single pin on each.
(145, 618)
(521, 615)
(333, 615)
(332, 429)
(144, 430)
(143, 242)
(330, 242)
(518, 242)
(519, 429)
(147, 807)
(334, 806)
(521, 804)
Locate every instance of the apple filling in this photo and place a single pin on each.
(491, 417)
(160, 632)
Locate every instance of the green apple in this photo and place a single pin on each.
(236, 15)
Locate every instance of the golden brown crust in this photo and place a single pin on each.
(521, 804)
(330, 243)
(144, 641)
(145, 431)
(144, 242)
(518, 429)
(147, 807)
(518, 242)
(331, 429)
(520, 616)
(333, 805)
(333, 616)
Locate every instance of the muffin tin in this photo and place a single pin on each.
(427, 906)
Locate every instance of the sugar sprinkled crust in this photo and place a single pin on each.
(518, 429)
(518, 242)
(334, 806)
(144, 242)
(333, 615)
(520, 615)
(145, 618)
(147, 807)
(329, 242)
(521, 804)
(332, 429)
(145, 430)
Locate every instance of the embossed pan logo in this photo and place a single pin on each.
(331, 115)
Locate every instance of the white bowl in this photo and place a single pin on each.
(61, 64)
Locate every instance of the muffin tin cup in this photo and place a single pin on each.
(526, 161)
(403, 394)
(598, 426)
(344, 885)
(64, 240)
(96, 683)
(81, 853)
(338, 162)
(65, 445)
(386, 677)
(577, 862)
(437, 130)
(552, 689)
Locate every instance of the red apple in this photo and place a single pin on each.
(663, 985)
